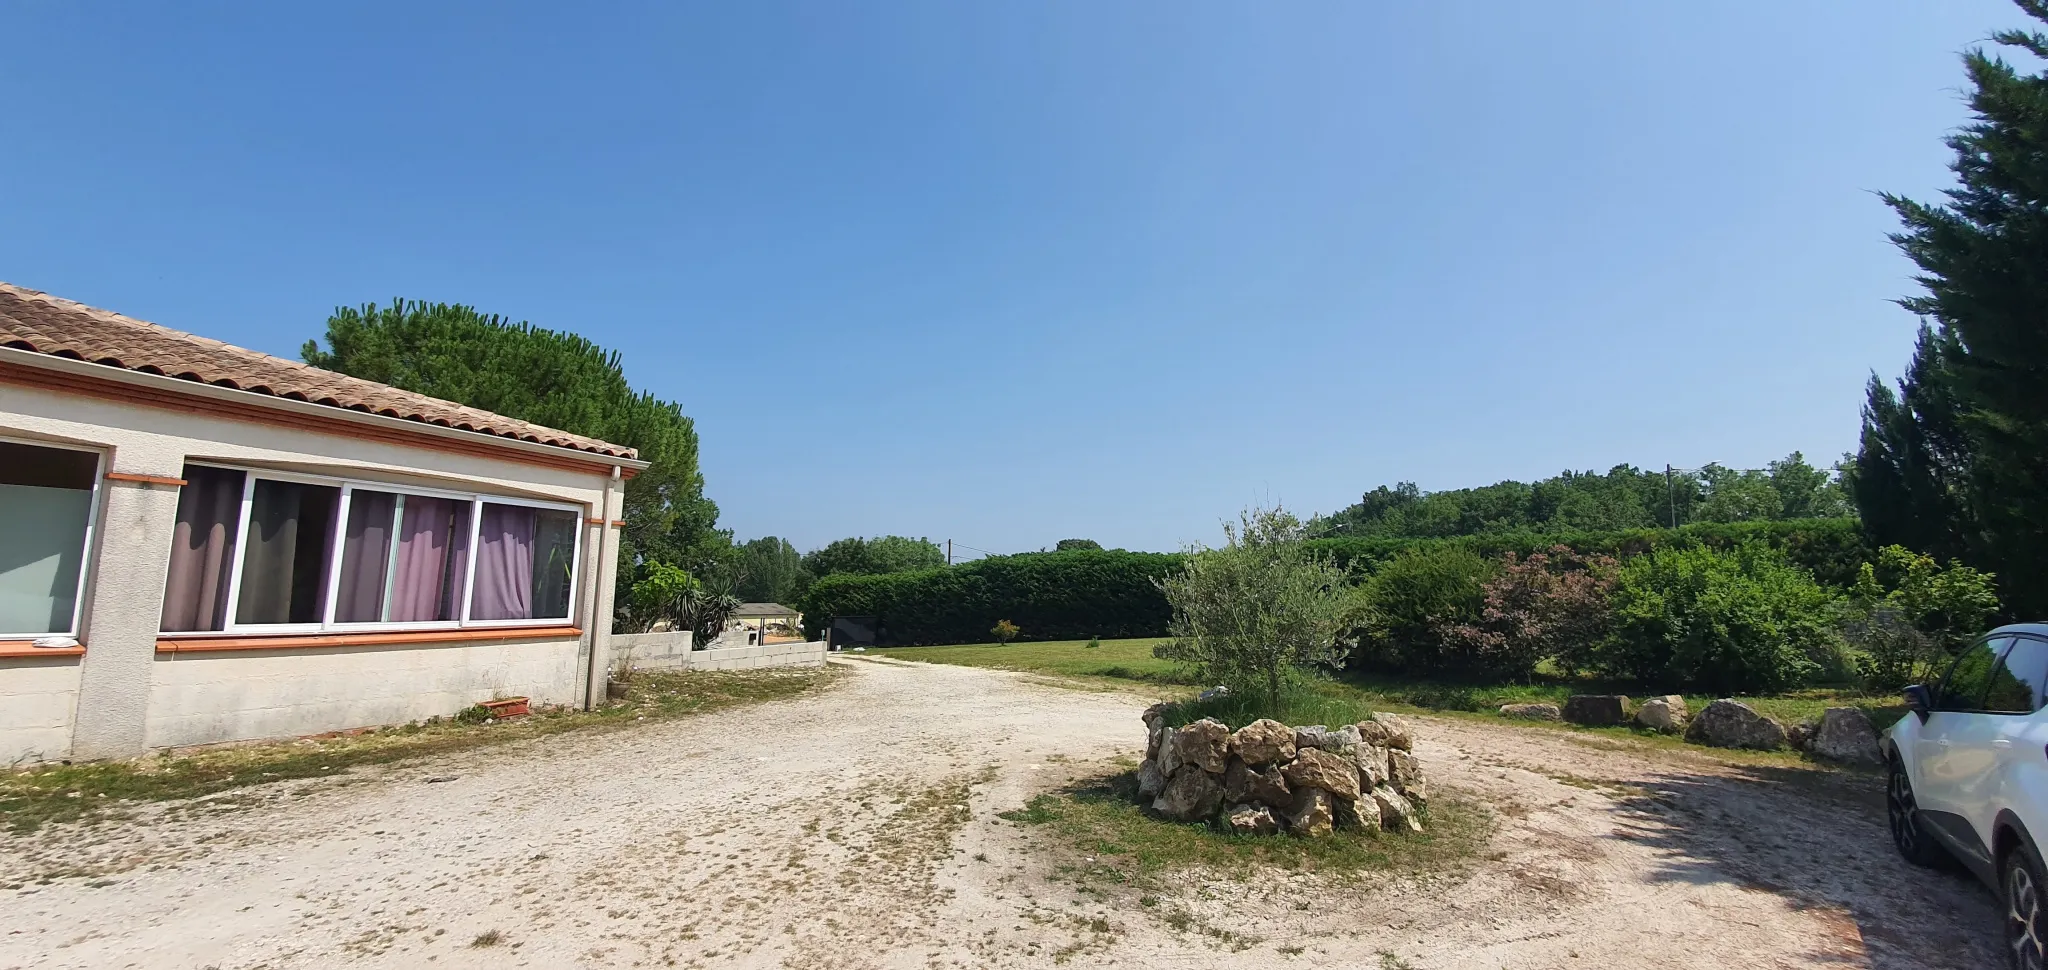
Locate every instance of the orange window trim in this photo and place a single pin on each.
(27, 648)
(309, 641)
(159, 398)
(143, 479)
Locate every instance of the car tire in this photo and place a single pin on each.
(2024, 890)
(1909, 835)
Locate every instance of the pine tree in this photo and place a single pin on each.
(559, 380)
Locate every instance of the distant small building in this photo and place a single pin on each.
(767, 621)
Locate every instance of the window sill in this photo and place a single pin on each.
(309, 641)
(27, 648)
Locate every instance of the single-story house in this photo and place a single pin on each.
(201, 543)
(767, 620)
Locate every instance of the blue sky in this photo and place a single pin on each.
(1008, 273)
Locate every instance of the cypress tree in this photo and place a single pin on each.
(1983, 257)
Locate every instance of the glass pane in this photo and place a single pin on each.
(365, 556)
(430, 561)
(1967, 680)
(525, 563)
(2016, 686)
(202, 549)
(284, 567)
(45, 502)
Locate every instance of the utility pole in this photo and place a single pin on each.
(1670, 499)
(949, 552)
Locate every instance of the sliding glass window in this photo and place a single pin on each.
(46, 512)
(261, 553)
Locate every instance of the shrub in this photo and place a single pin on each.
(1743, 620)
(1412, 601)
(1550, 605)
(1926, 615)
(1260, 613)
(1066, 545)
(1004, 631)
(1051, 595)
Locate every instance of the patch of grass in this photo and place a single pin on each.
(1323, 702)
(1106, 840)
(1121, 659)
(487, 938)
(37, 796)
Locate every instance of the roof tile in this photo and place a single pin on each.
(35, 321)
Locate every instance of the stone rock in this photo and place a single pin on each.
(1532, 712)
(1310, 736)
(1156, 713)
(1243, 783)
(1250, 820)
(1150, 779)
(1205, 743)
(1847, 735)
(1396, 812)
(1730, 724)
(1799, 737)
(1363, 814)
(1263, 742)
(1313, 814)
(1596, 710)
(1333, 774)
(1169, 753)
(1372, 732)
(1658, 714)
(1189, 796)
(1215, 693)
(1155, 736)
(1372, 761)
(1343, 739)
(1398, 733)
(1405, 774)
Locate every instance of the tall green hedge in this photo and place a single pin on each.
(1832, 549)
(1070, 595)
(1083, 593)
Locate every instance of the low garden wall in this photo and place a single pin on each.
(1267, 777)
(1840, 734)
(672, 651)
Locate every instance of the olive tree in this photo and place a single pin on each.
(1262, 611)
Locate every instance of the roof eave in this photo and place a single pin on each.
(122, 375)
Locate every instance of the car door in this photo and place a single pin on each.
(2010, 734)
(1954, 749)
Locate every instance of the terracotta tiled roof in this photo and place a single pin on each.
(45, 324)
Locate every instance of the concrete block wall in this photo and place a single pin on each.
(671, 651)
(201, 698)
(36, 705)
(653, 651)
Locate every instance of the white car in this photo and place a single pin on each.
(1968, 777)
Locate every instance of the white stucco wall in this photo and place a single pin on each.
(37, 697)
(115, 687)
(200, 698)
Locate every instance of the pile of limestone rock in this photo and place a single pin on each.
(1842, 734)
(1267, 777)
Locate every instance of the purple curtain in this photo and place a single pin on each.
(365, 555)
(427, 583)
(202, 542)
(504, 563)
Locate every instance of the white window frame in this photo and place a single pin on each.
(332, 567)
(92, 520)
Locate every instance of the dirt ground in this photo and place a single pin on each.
(857, 828)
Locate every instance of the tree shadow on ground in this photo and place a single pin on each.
(1817, 839)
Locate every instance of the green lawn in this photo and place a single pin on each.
(1119, 659)
(1132, 660)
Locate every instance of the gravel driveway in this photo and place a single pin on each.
(856, 828)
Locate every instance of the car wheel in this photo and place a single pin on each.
(1908, 834)
(2020, 881)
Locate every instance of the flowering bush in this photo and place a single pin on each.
(1546, 605)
